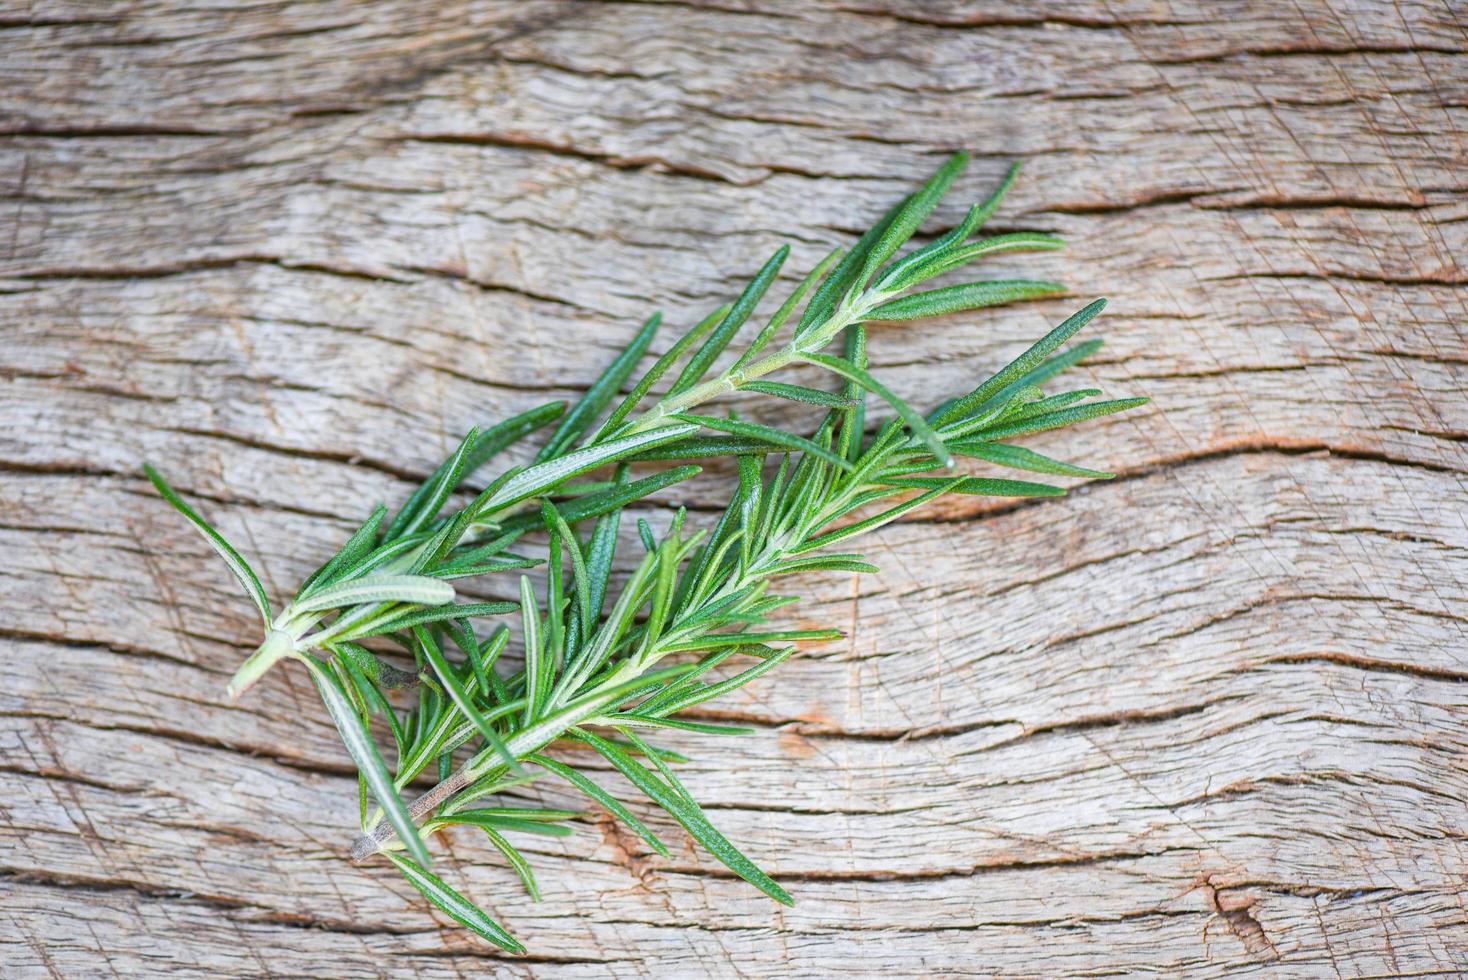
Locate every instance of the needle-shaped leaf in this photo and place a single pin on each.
(445, 540)
(1030, 407)
(876, 521)
(536, 672)
(787, 308)
(750, 488)
(798, 393)
(513, 818)
(442, 613)
(745, 639)
(456, 906)
(555, 606)
(484, 659)
(601, 392)
(599, 561)
(381, 556)
(648, 752)
(549, 728)
(838, 283)
(775, 498)
(770, 435)
(704, 447)
(825, 563)
(659, 368)
(481, 814)
(969, 296)
(498, 780)
(992, 412)
(601, 796)
(381, 674)
(369, 692)
(545, 476)
(708, 551)
(483, 447)
(615, 497)
(911, 416)
(853, 421)
(707, 692)
(699, 364)
(677, 724)
(1056, 420)
(981, 486)
(911, 216)
(605, 639)
(937, 265)
(499, 437)
(898, 274)
(555, 521)
(1020, 458)
(356, 548)
(662, 594)
(1050, 367)
(688, 814)
(419, 589)
(369, 762)
(440, 729)
(455, 628)
(516, 860)
(650, 705)
(461, 698)
(237, 565)
(423, 508)
(1016, 368)
(983, 211)
(461, 569)
(477, 819)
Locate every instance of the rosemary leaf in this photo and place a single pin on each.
(699, 364)
(798, 393)
(1020, 458)
(914, 420)
(970, 296)
(417, 589)
(461, 697)
(597, 396)
(601, 796)
(689, 815)
(369, 763)
(237, 565)
(515, 860)
(459, 908)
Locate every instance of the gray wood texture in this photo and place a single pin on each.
(1208, 719)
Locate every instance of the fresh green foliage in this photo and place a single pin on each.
(606, 665)
(364, 753)
(241, 569)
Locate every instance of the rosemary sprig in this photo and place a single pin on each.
(608, 667)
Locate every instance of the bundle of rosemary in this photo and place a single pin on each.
(606, 666)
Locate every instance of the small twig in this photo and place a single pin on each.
(367, 845)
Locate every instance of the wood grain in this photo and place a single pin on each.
(1207, 718)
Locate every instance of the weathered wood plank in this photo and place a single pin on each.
(1206, 718)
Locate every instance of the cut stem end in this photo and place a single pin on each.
(278, 644)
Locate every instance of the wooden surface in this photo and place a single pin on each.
(1209, 718)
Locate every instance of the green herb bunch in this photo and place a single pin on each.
(609, 667)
